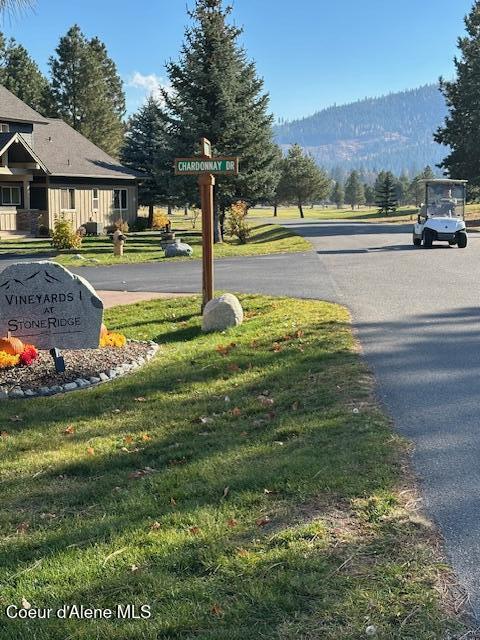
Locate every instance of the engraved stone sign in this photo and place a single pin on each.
(45, 304)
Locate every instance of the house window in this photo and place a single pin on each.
(95, 199)
(11, 195)
(120, 199)
(4, 127)
(68, 199)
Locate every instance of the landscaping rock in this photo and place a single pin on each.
(94, 379)
(103, 377)
(180, 249)
(222, 313)
(3, 394)
(70, 386)
(16, 393)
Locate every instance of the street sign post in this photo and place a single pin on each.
(206, 167)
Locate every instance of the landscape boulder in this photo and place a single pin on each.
(178, 249)
(221, 313)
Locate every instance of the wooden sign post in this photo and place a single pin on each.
(205, 167)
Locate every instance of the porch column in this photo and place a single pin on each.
(26, 194)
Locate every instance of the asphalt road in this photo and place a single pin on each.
(417, 315)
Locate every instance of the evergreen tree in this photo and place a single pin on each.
(403, 189)
(461, 131)
(386, 193)
(369, 192)
(143, 149)
(21, 75)
(354, 191)
(276, 196)
(416, 191)
(302, 181)
(338, 194)
(218, 95)
(87, 91)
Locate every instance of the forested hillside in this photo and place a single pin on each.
(393, 132)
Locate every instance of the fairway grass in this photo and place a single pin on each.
(244, 485)
(145, 247)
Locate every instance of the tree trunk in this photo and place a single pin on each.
(275, 207)
(169, 209)
(185, 210)
(300, 208)
(222, 221)
(217, 230)
(150, 216)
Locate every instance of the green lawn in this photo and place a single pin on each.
(318, 213)
(145, 247)
(244, 485)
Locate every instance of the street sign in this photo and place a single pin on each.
(195, 166)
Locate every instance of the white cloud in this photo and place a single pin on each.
(150, 84)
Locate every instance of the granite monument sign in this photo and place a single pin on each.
(45, 304)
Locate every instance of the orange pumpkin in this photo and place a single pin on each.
(12, 346)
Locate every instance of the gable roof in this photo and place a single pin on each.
(65, 152)
(8, 139)
(14, 110)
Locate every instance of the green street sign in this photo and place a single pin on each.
(196, 166)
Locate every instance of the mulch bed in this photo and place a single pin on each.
(83, 363)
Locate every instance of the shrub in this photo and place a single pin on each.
(140, 224)
(237, 224)
(117, 224)
(63, 236)
(160, 220)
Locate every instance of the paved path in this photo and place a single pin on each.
(417, 315)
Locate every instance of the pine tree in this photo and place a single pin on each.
(369, 192)
(218, 95)
(143, 149)
(403, 189)
(354, 191)
(386, 193)
(87, 91)
(338, 195)
(302, 181)
(461, 131)
(21, 75)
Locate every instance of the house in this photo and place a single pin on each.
(47, 169)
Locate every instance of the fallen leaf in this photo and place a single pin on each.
(261, 522)
(23, 527)
(299, 333)
(226, 491)
(16, 419)
(4, 434)
(194, 531)
(254, 344)
(140, 473)
(134, 568)
(141, 399)
(116, 411)
(205, 420)
(26, 604)
(90, 451)
(278, 442)
(295, 406)
(128, 439)
(224, 350)
(155, 525)
(242, 553)
(217, 610)
(70, 430)
(236, 411)
(244, 433)
(233, 367)
(276, 347)
(232, 523)
(227, 399)
(173, 502)
(264, 401)
(146, 437)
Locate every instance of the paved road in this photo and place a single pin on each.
(417, 315)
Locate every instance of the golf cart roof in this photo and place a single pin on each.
(441, 181)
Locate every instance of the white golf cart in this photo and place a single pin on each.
(442, 214)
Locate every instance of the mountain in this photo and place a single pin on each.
(393, 132)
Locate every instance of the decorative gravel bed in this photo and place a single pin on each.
(83, 368)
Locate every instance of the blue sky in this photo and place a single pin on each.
(311, 53)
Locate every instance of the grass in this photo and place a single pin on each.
(403, 214)
(244, 485)
(145, 247)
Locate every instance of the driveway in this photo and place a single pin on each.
(417, 315)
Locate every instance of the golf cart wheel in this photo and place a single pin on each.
(452, 243)
(417, 241)
(461, 239)
(427, 238)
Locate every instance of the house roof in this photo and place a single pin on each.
(5, 139)
(9, 139)
(65, 152)
(14, 110)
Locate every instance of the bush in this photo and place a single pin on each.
(237, 224)
(140, 224)
(160, 220)
(117, 224)
(63, 236)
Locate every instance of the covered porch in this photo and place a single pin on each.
(23, 204)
